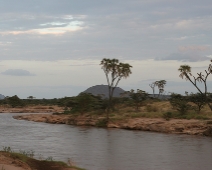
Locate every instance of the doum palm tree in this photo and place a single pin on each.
(185, 70)
(161, 84)
(114, 71)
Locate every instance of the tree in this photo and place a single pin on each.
(199, 100)
(153, 88)
(137, 97)
(185, 71)
(31, 97)
(83, 103)
(160, 84)
(14, 101)
(180, 103)
(114, 72)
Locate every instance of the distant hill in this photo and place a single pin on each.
(162, 96)
(2, 96)
(103, 89)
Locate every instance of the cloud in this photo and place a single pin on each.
(17, 72)
(185, 57)
(193, 48)
(76, 65)
(32, 23)
(97, 29)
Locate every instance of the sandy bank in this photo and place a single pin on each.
(177, 126)
(14, 161)
(32, 109)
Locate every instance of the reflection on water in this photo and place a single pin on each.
(108, 149)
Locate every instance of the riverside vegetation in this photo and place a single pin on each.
(26, 161)
(132, 104)
(135, 109)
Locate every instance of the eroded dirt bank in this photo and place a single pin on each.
(15, 161)
(177, 126)
(32, 109)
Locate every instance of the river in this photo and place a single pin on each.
(107, 149)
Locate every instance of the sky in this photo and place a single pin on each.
(53, 48)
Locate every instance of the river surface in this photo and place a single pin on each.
(107, 149)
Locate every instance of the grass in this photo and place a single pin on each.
(101, 123)
(159, 109)
(149, 109)
(27, 157)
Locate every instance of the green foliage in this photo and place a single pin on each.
(199, 100)
(180, 103)
(31, 97)
(160, 84)
(101, 123)
(14, 101)
(137, 97)
(85, 102)
(185, 70)
(114, 72)
(7, 149)
(50, 158)
(26, 156)
(167, 115)
(29, 153)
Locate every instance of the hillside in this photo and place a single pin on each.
(2, 96)
(103, 89)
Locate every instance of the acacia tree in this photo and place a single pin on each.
(199, 100)
(138, 97)
(114, 71)
(180, 103)
(153, 85)
(185, 70)
(160, 84)
(31, 97)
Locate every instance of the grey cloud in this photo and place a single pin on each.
(30, 21)
(193, 48)
(17, 72)
(118, 28)
(185, 57)
(76, 65)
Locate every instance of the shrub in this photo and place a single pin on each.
(137, 98)
(199, 100)
(180, 103)
(151, 108)
(7, 149)
(29, 153)
(167, 115)
(102, 123)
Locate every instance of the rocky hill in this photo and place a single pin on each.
(103, 90)
(2, 96)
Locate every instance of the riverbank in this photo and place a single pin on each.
(175, 126)
(32, 109)
(17, 161)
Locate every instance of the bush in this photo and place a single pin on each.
(180, 103)
(151, 108)
(102, 123)
(14, 101)
(167, 115)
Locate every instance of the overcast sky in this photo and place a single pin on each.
(52, 48)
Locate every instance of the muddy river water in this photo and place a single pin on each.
(107, 149)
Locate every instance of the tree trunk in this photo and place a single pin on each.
(210, 106)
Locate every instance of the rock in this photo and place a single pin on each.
(208, 131)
